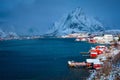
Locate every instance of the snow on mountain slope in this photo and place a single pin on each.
(113, 31)
(7, 34)
(75, 22)
(2, 34)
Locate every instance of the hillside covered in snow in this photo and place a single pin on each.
(75, 22)
(7, 34)
(113, 31)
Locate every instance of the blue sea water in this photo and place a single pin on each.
(42, 59)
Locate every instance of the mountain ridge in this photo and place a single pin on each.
(75, 22)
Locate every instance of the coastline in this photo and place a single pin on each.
(111, 66)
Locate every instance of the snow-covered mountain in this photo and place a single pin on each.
(113, 31)
(8, 34)
(2, 33)
(75, 22)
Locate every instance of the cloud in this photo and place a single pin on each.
(11, 4)
(40, 14)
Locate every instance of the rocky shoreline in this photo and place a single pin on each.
(111, 66)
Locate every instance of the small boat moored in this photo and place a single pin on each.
(76, 64)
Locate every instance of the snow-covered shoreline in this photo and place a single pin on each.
(113, 68)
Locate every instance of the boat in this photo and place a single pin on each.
(92, 41)
(83, 39)
(90, 64)
(76, 64)
(77, 39)
(80, 39)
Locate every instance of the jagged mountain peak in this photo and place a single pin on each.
(7, 34)
(75, 22)
(77, 12)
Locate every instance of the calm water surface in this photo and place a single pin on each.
(42, 59)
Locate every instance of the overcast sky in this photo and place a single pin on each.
(25, 15)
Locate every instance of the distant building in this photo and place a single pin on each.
(108, 37)
(98, 38)
(104, 39)
(76, 35)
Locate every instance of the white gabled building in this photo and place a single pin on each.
(116, 38)
(108, 37)
(75, 35)
(98, 38)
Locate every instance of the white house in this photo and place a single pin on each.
(104, 39)
(108, 37)
(98, 38)
(116, 38)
